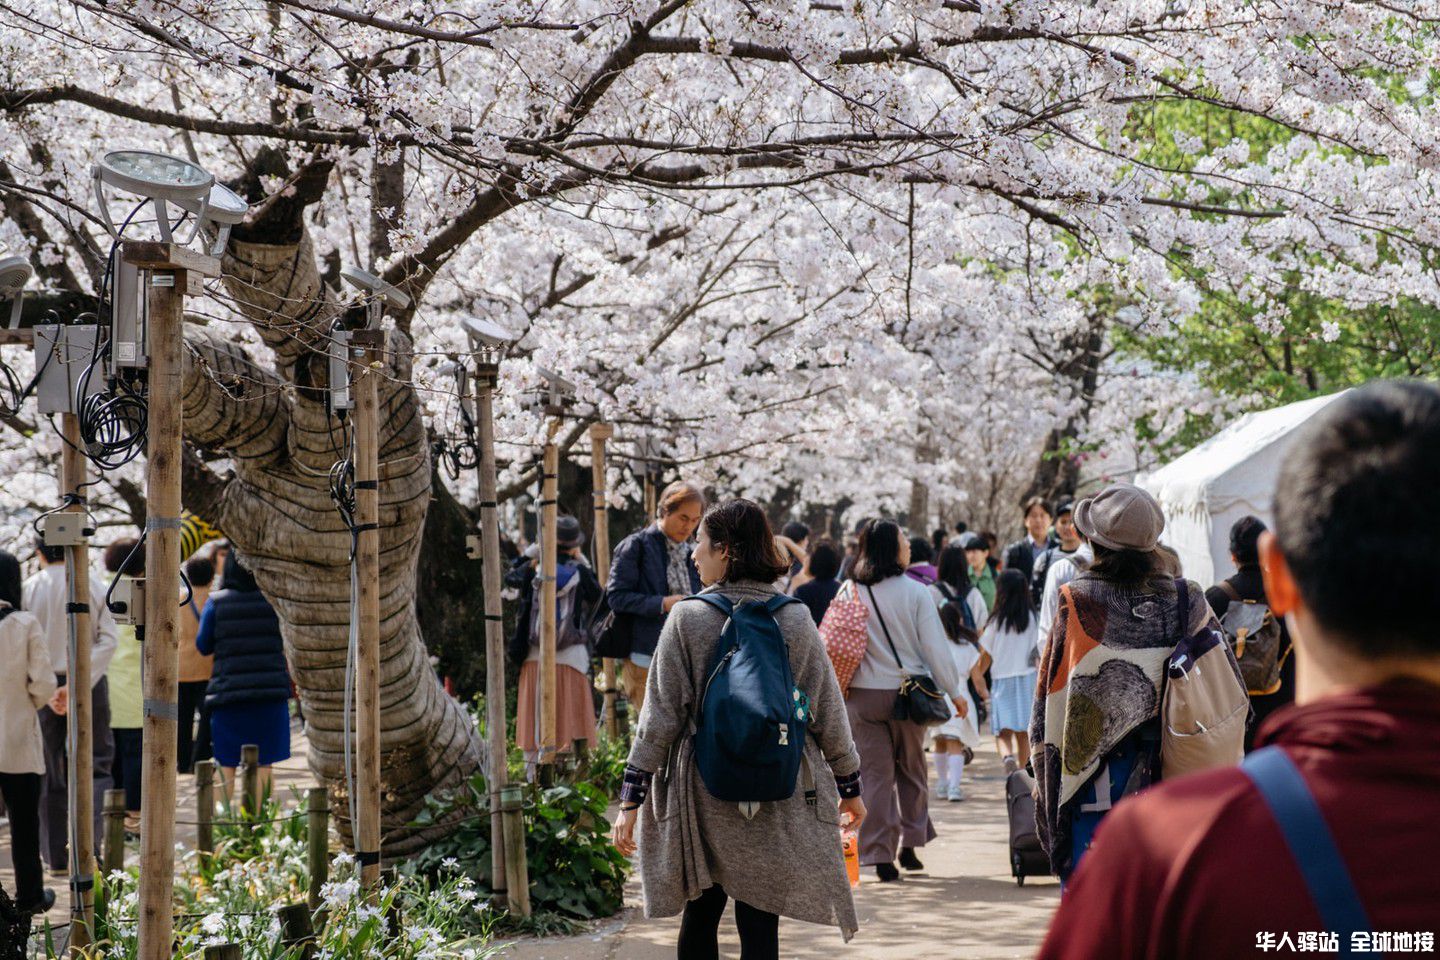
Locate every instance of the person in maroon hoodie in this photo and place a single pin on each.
(1212, 865)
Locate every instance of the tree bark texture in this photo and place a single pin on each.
(276, 508)
(1057, 473)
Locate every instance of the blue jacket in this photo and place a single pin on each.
(638, 588)
(242, 631)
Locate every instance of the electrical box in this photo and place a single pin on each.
(472, 546)
(129, 311)
(65, 529)
(66, 360)
(340, 370)
(127, 601)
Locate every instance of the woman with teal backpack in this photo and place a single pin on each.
(775, 857)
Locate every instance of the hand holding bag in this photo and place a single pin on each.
(919, 698)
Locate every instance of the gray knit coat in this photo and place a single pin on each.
(786, 860)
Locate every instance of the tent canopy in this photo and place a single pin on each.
(1229, 476)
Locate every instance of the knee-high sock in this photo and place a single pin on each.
(942, 765)
(957, 768)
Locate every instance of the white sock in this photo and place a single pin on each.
(942, 767)
(957, 769)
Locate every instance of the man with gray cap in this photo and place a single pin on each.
(1122, 627)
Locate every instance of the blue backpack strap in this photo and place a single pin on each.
(717, 600)
(1311, 843)
(779, 600)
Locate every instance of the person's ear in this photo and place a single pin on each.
(1281, 591)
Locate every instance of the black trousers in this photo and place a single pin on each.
(54, 792)
(129, 753)
(192, 704)
(22, 799)
(700, 929)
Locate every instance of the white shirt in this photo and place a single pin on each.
(1061, 572)
(1010, 652)
(25, 686)
(914, 623)
(44, 595)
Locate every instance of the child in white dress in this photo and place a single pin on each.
(955, 741)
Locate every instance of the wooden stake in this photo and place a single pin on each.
(162, 614)
(366, 346)
(599, 433)
(250, 779)
(318, 843)
(205, 806)
(549, 491)
(73, 475)
(114, 832)
(224, 951)
(497, 742)
(517, 881)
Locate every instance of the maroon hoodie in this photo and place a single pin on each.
(1196, 868)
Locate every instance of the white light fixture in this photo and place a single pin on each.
(223, 210)
(487, 333)
(379, 290)
(159, 178)
(15, 272)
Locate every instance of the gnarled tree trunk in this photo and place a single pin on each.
(276, 508)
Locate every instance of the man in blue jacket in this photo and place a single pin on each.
(650, 573)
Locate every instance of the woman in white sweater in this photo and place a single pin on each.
(905, 639)
(22, 759)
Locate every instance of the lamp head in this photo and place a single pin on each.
(221, 210)
(159, 178)
(15, 272)
(367, 282)
(487, 333)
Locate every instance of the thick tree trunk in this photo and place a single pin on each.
(278, 512)
(1077, 370)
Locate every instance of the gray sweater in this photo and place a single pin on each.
(787, 858)
(914, 623)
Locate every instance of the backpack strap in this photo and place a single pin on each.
(779, 600)
(717, 600)
(881, 617)
(1227, 588)
(1311, 843)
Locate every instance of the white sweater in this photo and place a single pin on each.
(914, 621)
(25, 686)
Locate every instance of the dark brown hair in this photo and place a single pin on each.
(741, 529)
(679, 493)
(878, 553)
(126, 556)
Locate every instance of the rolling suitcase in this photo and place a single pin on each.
(1027, 857)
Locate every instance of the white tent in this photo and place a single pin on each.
(1223, 479)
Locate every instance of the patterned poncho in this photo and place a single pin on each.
(1102, 676)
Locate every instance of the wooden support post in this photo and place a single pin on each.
(517, 880)
(73, 475)
(205, 806)
(297, 929)
(224, 951)
(366, 349)
(599, 433)
(318, 843)
(114, 832)
(497, 743)
(168, 272)
(250, 780)
(549, 492)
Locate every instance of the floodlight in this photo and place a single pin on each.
(224, 209)
(365, 281)
(555, 382)
(487, 333)
(15, 272)
(158, 177)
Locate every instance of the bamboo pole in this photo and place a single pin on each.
(205, 806)
(366, 350)
(318, 843)
(495, 707)
(599, 433)
(162, 614)
(114, 832)
(546, 686)
(73, 475)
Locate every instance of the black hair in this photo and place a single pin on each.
(954, 623)
(938, 539)
(1356, 522)
(127, 556)
(960, 527)
(1012, 602)
(920, 551)
(237, 575)
(51, 554)
(878, 553)
(10, 589)
(1031, 503)
(1245, 540)
(741, 529)
(795, 530)
(953, 570)
(200, 571)
(824, 561)
(1128, 568)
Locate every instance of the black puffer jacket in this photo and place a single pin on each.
(244, 634)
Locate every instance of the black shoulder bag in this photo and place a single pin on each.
(919, 699)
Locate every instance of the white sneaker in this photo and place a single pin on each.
(955, 794)
(942, 792)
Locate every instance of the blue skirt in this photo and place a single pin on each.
(1011, 703)
(267, 725)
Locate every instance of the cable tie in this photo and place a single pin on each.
(163, 523)
(495, 617)
(164, 709)
(547, 503)
(73, 608)
(367, 484)
(367, 858)
(81, 884)
(488, 504)
(362, 527)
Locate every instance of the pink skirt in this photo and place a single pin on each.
(574, 708)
